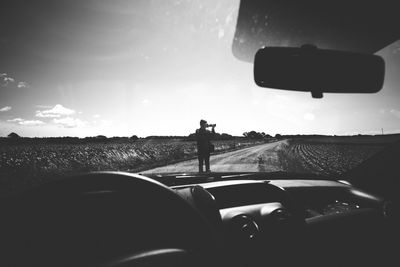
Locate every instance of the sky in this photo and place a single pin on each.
(122, 68)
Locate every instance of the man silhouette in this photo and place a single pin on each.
(204, 146)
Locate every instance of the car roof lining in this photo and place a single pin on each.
(352, 25)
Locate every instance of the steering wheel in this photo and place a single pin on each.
(110, 219)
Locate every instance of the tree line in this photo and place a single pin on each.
(15, 138)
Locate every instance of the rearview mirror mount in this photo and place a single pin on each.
(318, 71)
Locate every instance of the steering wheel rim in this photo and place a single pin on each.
(197, 234)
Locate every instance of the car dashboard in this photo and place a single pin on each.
(245, 222)
(291, 217)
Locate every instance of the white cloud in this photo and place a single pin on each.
(26, 122)
(15, 120)
(69, 122)
(23, 85)
(40, 114)
(96, 116)
(55, 112)
(31, 122)
(5, 79)
(9, 79)
(309, 116)
(145, 102)
(6, 108)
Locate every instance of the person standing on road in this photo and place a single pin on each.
(204, 145)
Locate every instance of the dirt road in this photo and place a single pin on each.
(257, 158)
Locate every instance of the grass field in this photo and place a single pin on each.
(24, 165)
(326, 158)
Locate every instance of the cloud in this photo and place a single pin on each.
(55, 112)
(26, 122)
(69, 122)
(96, 116)
(31, 122)
(5, 109)
(15, 120)
(61, 116)
(145, 102)
(5, 79)
(309, 116)
(40, 114)
(23, 85)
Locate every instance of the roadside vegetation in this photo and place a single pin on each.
(330, 155)
(25, 162)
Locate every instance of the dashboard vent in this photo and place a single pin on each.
(244, 227)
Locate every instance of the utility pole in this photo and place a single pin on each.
(382, 131)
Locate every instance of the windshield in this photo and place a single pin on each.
(123, 85)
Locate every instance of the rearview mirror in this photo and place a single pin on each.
(318, 71)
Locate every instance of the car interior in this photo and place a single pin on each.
(115, 218)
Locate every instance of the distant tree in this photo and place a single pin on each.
(134, 137)
(278, 136)
(101, 137)
(13, 136)
(254, 135)
(225, 136)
